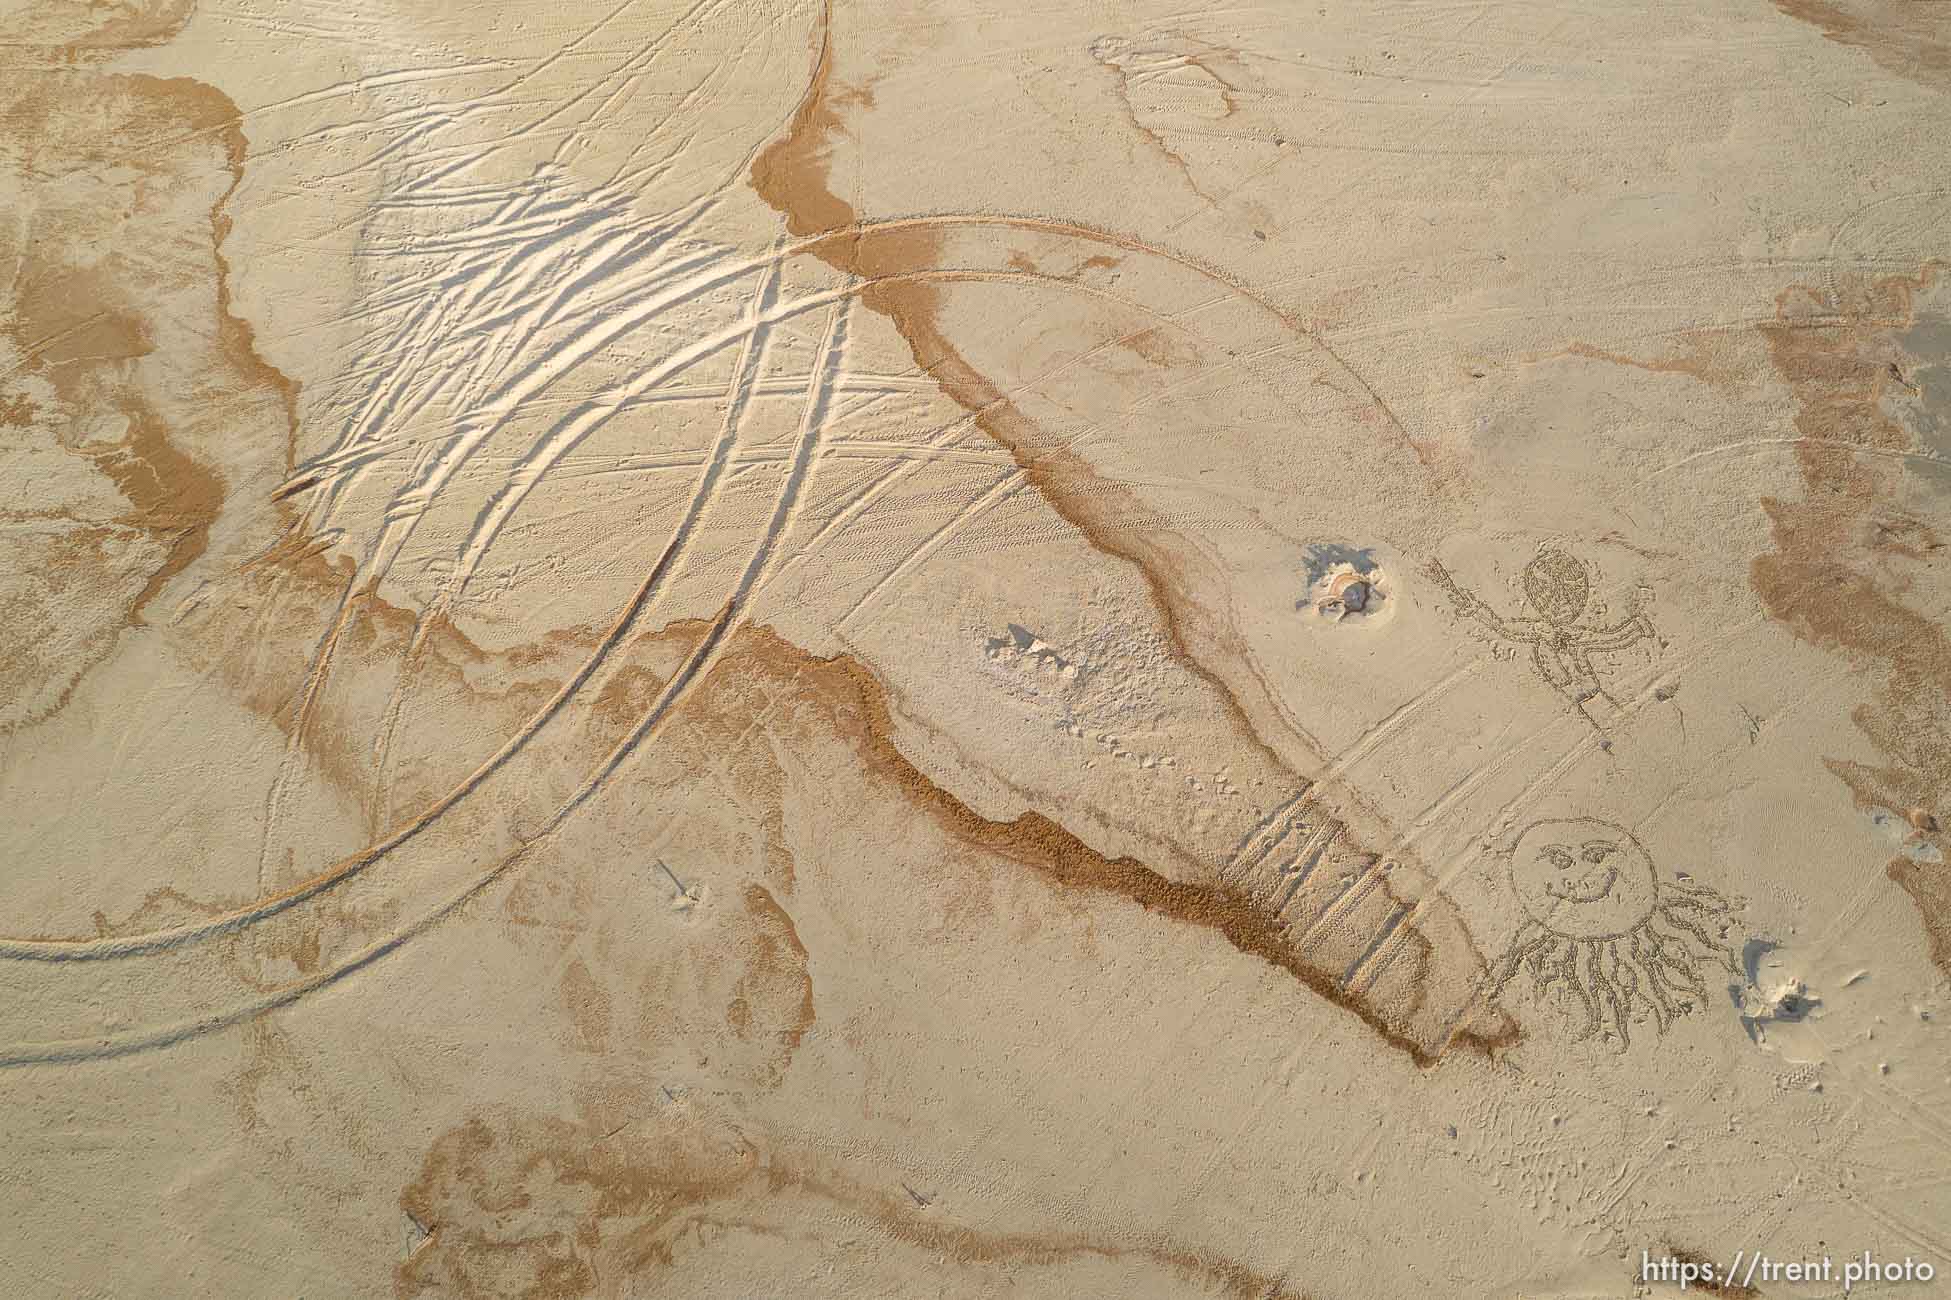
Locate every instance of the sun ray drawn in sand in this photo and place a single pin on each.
(1598, 921)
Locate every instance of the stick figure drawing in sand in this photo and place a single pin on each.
(1558, 588)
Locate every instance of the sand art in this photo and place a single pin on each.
(809, 648)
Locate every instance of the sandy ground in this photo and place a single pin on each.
(863, 649)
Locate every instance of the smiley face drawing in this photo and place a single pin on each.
(1599, 922)
(1583, 879)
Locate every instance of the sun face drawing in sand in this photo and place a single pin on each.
(1598, 921)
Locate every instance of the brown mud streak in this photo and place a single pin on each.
(69, 329)
(1831, 578)
(792, 176)
(239, 340)
(518, 1203)
(1911, 38)
(1705, 359)
(86, 326)
(133, 27)
(1039, 843)
(774, 929)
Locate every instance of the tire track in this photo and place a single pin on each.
(805, 460)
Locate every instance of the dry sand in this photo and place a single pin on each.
(792, 650)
